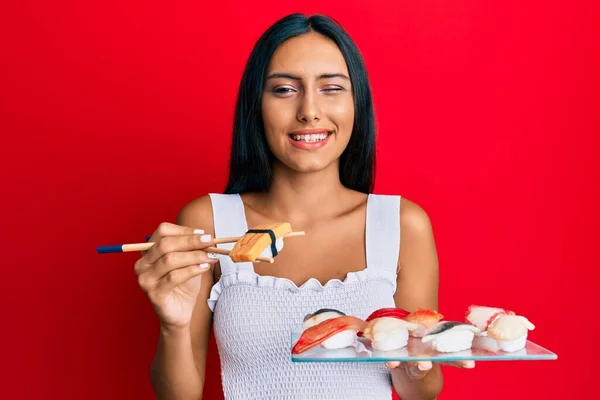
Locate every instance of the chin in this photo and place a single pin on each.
(308, 166)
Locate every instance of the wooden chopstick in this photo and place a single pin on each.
(224, 252)
(233, 239)
(124, 248)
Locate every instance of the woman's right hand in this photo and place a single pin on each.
(170, 272)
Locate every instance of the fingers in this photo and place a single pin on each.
(467, 364)
(176, 269)
(180, 243)
(418, 370)
(414, 370)
(168, 229)
(424, 365)
(178, 276)
(175, 247)
(179, 259)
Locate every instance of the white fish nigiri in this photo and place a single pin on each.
(450, 336)
(339, 340)
(388, 333)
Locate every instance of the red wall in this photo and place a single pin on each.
(113, 115)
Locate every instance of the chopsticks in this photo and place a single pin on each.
(129, 247)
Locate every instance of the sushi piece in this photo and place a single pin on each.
(321, 315)
(330, 330)
(391, 312)
(482, 316)
(451, 336)
(268, 252)
(388, 333)
(337, 341)
(425, 319)
(510, 331)
(504, 326)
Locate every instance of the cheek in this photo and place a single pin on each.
(269, 121)
(275, 116)
(343, 116)
(275, 122)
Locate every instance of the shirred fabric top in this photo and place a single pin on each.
(254, 315)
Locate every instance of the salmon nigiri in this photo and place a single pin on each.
(425, 319)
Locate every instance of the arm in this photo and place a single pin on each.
(179, 365)
(417, 287)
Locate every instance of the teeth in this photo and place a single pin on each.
(310, 138)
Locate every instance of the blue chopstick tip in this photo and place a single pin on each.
(110, 249)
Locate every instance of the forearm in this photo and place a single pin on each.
(426, 388)
(173, 374)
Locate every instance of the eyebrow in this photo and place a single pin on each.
(297, 78)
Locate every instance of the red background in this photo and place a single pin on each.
(115, 114)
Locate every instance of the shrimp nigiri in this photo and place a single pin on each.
(331, 329)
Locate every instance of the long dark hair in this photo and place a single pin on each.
(251, 160)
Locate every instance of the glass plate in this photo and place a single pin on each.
(483, 349)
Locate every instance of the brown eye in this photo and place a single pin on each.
(283, 90)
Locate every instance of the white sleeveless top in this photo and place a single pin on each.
(254, 314)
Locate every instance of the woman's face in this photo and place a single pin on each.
(307, 103)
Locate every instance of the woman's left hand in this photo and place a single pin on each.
(418, 370)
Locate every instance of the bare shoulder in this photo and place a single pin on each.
(414, 220)
(417, 243)
(197, 213)
(418, 274)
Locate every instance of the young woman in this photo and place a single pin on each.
(303, 151)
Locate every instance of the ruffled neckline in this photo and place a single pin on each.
(278, 283)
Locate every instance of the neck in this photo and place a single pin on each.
(302, 196)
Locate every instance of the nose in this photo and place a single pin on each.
(308, 109)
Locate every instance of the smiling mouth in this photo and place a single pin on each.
(310, 137)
